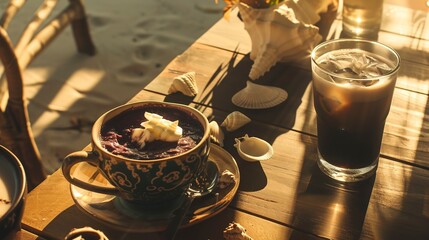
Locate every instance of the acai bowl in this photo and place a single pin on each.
(149, 151)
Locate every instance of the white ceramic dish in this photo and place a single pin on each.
(253, 149)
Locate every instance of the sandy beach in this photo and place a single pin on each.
(135, 40)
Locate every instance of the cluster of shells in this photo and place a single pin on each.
(232, 122)
(249, 148)
(281, 33)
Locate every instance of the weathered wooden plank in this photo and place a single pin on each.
(406, 21)
(413, 77)
(21, 235)
(228, 34)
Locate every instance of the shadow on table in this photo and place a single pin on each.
(344, 207)
(220, 96)
(74, 218)
(230, 78)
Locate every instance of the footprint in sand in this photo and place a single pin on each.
(133, 73)
(98, 21)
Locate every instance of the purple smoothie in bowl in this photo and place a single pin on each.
(116, 134)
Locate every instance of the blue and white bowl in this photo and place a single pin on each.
(13, 190)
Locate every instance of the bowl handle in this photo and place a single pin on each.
(84, 156)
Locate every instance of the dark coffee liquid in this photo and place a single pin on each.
(349, 135)
(116, 133)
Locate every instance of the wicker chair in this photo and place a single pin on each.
(15, 127)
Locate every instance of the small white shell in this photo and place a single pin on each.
(226, 179)
(185, 84)
(85, 233)
(235, 231)
(256, 96)
(253, 149)
(235, 120)
(216, 133)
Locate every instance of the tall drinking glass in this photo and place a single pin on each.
(353, 84)
(362, 18)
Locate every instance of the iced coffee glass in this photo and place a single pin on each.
(353, 84)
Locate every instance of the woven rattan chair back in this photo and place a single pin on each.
(15, 126)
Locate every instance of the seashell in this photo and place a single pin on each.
(226, 178)
(256, 96)
(216, 133)
(235, 231)
(253, 149)
(85, 233)
(283, 32)
(235, 120)
(185, 84)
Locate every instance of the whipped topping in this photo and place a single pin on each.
(156, 128)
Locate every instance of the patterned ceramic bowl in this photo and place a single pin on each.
(149, 181)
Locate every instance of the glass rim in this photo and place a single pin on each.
(325, 43)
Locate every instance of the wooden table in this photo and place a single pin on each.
(287, 197)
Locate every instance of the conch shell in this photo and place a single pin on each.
(185, 84)
(235, 231)
(216, 133)
(284, 32)
(235, 120)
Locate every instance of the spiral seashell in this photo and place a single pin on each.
(236, 231)
(235, 120)
(185, 84)
(283, 32)
(256, 96)
(216, 133)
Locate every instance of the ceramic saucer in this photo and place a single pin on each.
(127, 216)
